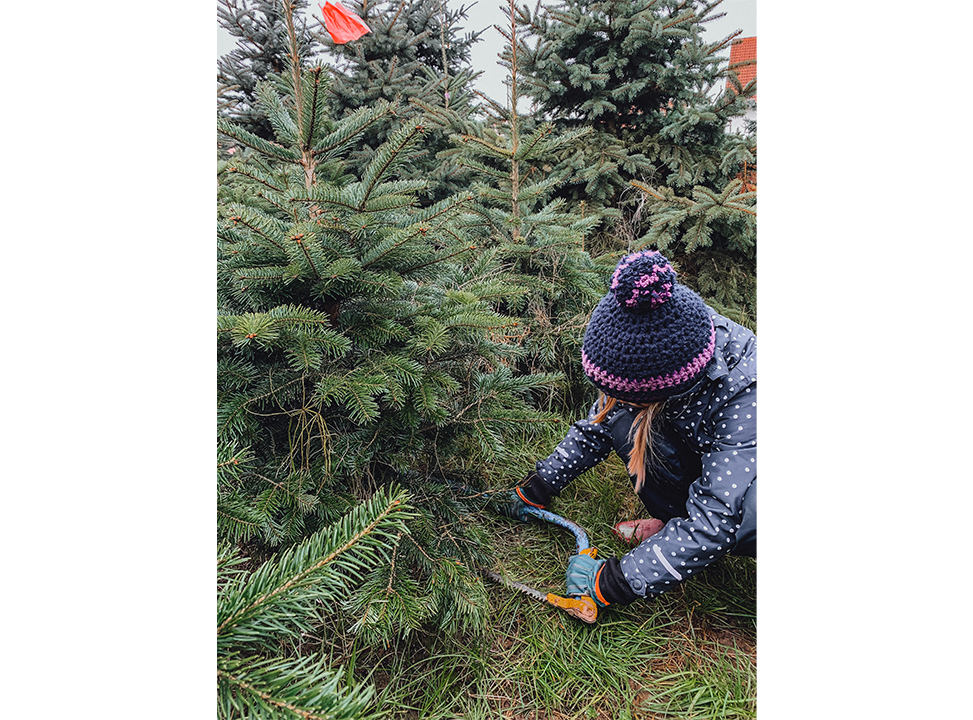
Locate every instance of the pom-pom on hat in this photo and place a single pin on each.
(650, 337)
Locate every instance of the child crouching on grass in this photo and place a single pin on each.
(678, 402)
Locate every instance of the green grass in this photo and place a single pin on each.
(691, 653)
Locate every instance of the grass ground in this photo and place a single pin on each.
(690, 653)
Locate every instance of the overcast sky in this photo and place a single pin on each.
(740, 15)
(484, 14)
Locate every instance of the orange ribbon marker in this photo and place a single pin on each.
(342, 24)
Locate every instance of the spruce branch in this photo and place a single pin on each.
(327, 195)
(245, 137)
(646, 189)
(299, 240)
(446, 207)
(263, 225)
(439, 259)
(337, 555)
(305, 688)
(312, 111)
(398, 239)
(352, 128)
(263, 178)
(279, 115)
(482, 169)
(239, 521)
(387, 156)
(533, 141)
(719, 45)
(492, 149)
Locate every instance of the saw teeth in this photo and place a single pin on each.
(513, 585)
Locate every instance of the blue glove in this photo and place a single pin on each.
(514, 503)
(511, 505)
(582, 576)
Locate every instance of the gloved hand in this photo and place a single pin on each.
(513, 505)
(582, 576)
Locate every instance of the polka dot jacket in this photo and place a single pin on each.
(717, 420)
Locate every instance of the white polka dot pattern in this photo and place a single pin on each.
(719, 415)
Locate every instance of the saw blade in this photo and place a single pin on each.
(514, 585)
(582, 608)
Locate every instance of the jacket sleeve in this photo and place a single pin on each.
(714, 508)
(586, 444)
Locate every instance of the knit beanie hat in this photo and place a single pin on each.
(649, 337)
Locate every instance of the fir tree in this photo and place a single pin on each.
(516, 174)
(415, 57)
(640, 75)
(356, 343)
(262, 51)
(414, 50)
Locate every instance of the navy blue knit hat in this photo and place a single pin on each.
(650, 337)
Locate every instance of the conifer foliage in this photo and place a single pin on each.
(261, 51)
(660, 158)
(516, 173)
(357, 345)
(262, 611)
(378, 328)
(638, 73)
(417, 57)
(414, 50)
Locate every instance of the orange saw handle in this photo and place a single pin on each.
(581, 607)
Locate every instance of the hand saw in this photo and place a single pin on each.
(581, 606)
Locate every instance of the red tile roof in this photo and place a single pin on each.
(744, 50)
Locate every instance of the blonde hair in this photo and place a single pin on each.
(640, 434)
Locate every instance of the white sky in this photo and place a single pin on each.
(740, 15)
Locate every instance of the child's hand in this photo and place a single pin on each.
(582, 576)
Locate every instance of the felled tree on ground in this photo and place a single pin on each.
(355, 347)
(516, 175)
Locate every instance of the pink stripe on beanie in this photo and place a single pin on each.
(650, 337)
